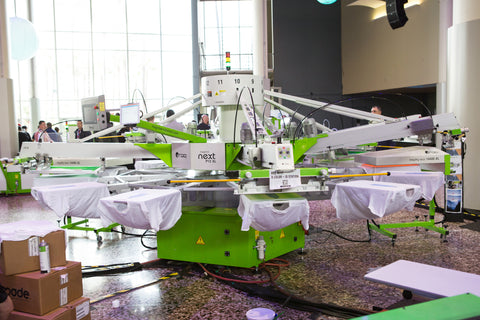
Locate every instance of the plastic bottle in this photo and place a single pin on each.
(44, 257)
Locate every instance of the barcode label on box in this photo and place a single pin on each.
(63, 296)
(83, 310)
(64, 278)
(33, 246)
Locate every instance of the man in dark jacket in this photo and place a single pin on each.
(79, 132)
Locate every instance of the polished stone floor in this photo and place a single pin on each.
(329, 270)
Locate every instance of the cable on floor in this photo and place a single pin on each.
(262, 266)
(104, 270)
(111, 295)
(319, 230)
(141, 236)
(281, 296)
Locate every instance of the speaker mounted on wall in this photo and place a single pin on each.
(396, 13)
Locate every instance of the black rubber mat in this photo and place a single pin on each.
(475, 226)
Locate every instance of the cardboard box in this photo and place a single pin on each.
(57, 314)
(80, 309)
(39, 293)
(76, 310)
(22, 256)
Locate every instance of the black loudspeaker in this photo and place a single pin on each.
(396, 13)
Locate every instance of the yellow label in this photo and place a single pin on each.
(257, 234)
(101, 105)
(282, 234)
(200, 241)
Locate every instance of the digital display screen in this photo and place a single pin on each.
(130, 114)
(89, 114)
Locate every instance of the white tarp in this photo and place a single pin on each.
(75, 199)
(363, 199)
(429, 182)
(157, 209)
(21, 230)
(265, 213)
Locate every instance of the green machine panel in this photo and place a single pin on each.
(464, 306)
(213, 236)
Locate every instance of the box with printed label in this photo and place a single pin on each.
(76, 310)
(22, 256)
(39, 293)
(80, 309)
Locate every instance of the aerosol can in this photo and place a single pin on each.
(44, 254)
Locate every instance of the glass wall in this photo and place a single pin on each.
(225, 26)
(110, 47)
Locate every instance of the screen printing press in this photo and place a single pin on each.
(239, 196)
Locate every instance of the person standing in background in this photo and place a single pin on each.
(79, 132)
(174, 124)
(24, 128)
(41, 135)
(22, 137)
(52, 133)
(204, 124)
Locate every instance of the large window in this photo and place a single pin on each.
(225, 26)
(110, 47)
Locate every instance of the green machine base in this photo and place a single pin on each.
(428, 224)
(213, 236)
(464, 306)
(70, 225)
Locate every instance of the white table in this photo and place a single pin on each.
(157, 209)
(365, 199)
(74, 199)
(426, 280)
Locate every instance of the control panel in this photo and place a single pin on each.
(277, 156)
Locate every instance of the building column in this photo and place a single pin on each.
(8, 127)
(463, 86)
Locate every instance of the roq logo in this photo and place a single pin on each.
(181, 155)
(18, 293)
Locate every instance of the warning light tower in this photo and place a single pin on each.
(227, 60)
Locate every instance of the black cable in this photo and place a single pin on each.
(96, 271)
(143, 244)
(321, 242)
(141, 236)
(329, 104)
(291, 301)
(351, 240)
(236, 113)
(292, 118)
(132, 234)
(417, 100)
(298, 108)
(381, 96)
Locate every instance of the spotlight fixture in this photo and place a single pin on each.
(327, 1)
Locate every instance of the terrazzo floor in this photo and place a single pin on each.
(329, 270)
